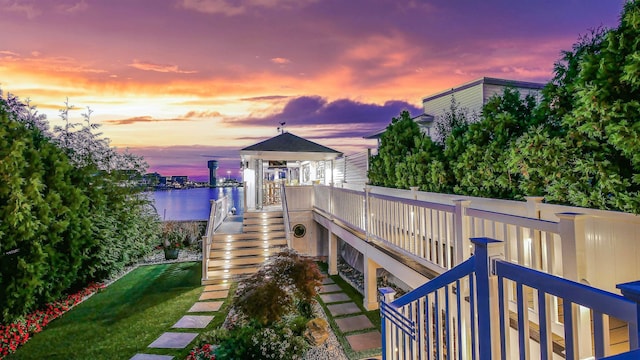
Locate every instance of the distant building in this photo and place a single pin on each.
(181, 180)
(152, 179)
(213, 167)
(471, 96)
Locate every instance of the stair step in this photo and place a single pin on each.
(237, 261)
(232, 272)
(253, 243)
(260, 221)
(247, 251)
(273, 234)
(262, 214)
(262, 228)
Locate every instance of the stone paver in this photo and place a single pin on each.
(193, 322)
(206, 306)
(216, 287)
(173, 340)
(151, 357)
(210, 295)
(327, 281)
(335, 297)
(330, 288)
(353, 323)
(342, 309)
(366, 341)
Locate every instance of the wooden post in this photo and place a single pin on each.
(533, 206)
(370, 301)
(367, 215)
(461, 223)
(486, 250)
(333, 253)
(414, 192)
(574, 267)
(631, 291)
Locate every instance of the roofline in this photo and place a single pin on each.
(488, 81)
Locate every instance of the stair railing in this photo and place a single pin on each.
(219, 210)
(285, 212)
(465, 313)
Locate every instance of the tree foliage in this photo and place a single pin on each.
(68, 215)
(579, 146)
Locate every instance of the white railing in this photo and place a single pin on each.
(417, 227)
(435, 228)
(285, 212)
(462, 314)
(219, 210)
(593, 247)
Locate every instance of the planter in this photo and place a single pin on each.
(171, 254)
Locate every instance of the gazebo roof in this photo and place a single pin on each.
(287, 146)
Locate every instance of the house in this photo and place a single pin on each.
(285, 158)
(471, 97)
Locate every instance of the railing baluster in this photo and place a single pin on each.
(598, 334)
(447, 315)
(544, 323)
(523, 322)
(504, 318)
(569, 333)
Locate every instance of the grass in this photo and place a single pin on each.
(123, 319)
(357, 298)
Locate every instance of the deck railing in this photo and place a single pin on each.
(219, 210)
(285, 214)
(435, 229)
(465, 313)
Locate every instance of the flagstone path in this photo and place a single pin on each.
(359, 331)
(210, 301)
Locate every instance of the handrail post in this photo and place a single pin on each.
(367, 220)
(486, 251)
(572, 238)
(631, 291)
(206, 241)
(461, 223)
(574, 267)
(414, 192)
(386, 296)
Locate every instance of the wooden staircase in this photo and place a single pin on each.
(234, 256)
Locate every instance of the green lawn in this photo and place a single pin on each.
(123, 319)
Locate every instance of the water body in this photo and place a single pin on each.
(193, 204)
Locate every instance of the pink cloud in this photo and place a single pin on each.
(162, 68)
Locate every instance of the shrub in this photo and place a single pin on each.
(272, 290)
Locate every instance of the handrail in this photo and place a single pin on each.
(285, 212)
(426, 322)
(461, 270)
(219, 210)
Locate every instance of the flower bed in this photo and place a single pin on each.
(14, 335)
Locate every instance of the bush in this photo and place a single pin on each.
(69, 212)
(271, 291)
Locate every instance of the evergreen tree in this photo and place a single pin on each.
(396, 144)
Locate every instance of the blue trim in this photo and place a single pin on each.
(542, 324)
(461, 270)
(631, 355)
(483, 294)
(596, 299)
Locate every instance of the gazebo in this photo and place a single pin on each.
(287, 159)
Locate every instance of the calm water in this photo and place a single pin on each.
(193, 204)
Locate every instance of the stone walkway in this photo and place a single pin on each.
(352, 323)
(197, 317)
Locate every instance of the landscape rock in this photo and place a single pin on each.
(317, 331)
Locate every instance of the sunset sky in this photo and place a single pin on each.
(185, 81)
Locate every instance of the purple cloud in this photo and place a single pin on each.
(307, 111)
